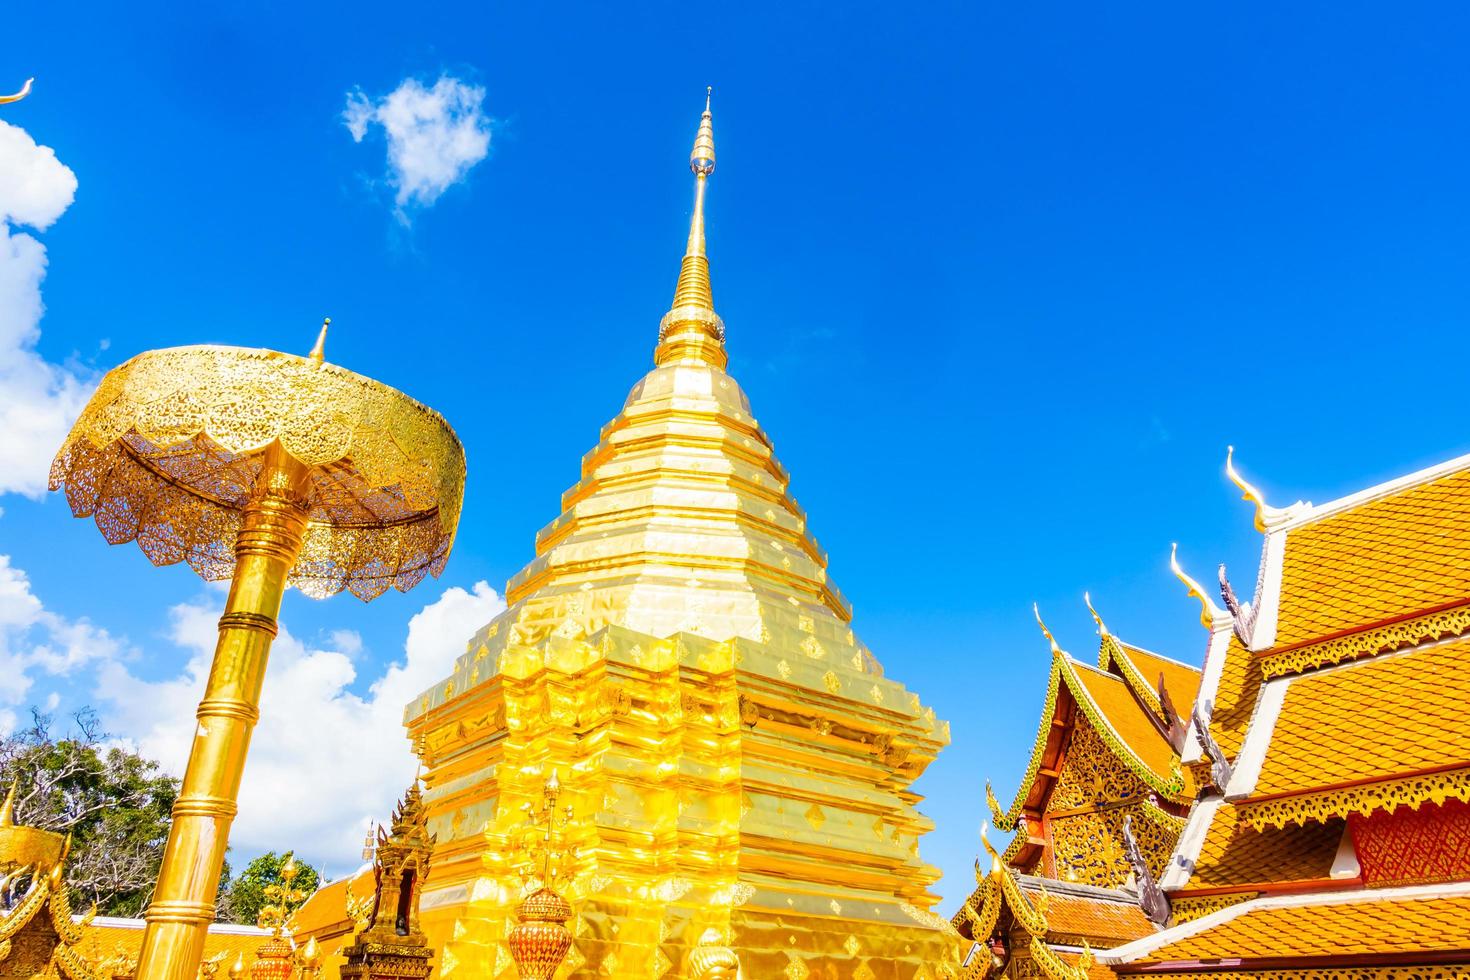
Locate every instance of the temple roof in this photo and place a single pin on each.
(1235, 857)
(1056, 923)
(1401, 925)
(1369, 562)
(1116, 708)
(1344, 736)
(1104, 916)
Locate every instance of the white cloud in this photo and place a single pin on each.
(38, 399)
(323, 760)
(36, 642)
(435, 135)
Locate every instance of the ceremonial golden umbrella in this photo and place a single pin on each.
(270, 470)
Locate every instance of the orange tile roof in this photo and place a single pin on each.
(1374, 719)
(1128, 719)
(1380, 560)
(106, 936)
(1103, 922)
(1235, 856)
(1181, 680)
(1235, 697)
(1333, 927)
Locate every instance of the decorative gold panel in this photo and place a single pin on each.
(1092, 774)
(1188, 909)
(1408, 632)
(1387, 795)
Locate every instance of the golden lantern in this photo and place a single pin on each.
(269, 470)
(540, 939)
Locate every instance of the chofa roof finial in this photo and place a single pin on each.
(1209, 612)
(1267, 516)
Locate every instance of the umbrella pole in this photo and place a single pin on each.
(268, 544)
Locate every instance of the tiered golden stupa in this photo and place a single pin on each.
(1103, 791)
(1331, 838)
(676, 655)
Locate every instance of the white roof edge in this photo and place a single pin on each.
(1386, 489)
(215, 928)
(1142, 947)
(1191, 841)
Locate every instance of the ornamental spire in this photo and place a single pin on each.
(24, 91)
(691, 330)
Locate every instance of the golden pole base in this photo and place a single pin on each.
(267, 546)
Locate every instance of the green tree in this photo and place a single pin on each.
(113, 802)
(246, 896)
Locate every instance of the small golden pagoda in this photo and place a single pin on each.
(391, 944)
(1331, 837)
(1100, 805)
(676, 651)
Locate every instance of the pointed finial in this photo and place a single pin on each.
(1036, 610)
(24, 91)
(1267, 516)
(995, 863)
(1102, 629)
(237, 968)
(691, 330)
(7, 809)
(1209, 612)
(319, 351)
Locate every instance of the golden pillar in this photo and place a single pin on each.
(270, 470)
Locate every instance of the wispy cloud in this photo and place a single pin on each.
(38, 399)
(434, 136)
(37, 643)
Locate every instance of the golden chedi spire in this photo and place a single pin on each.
(676, 653)
(691, 330)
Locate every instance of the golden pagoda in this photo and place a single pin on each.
(1100, 806)
(1331, 837)
(735, 759)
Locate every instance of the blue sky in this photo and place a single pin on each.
(1001, 283)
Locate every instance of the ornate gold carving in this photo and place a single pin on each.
(1189, 909)
(1087, 846)
(1171, 787)
(1389, 795)
(1394, 636)
(1091, 774)
(167, 452)
(1006, 820)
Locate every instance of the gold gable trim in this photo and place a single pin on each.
(1113, 650)
(1393, 636)
(1182, 910)
(1064, 670)
(1171, 786)
(1387, 795)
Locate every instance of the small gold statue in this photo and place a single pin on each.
(711, 959)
